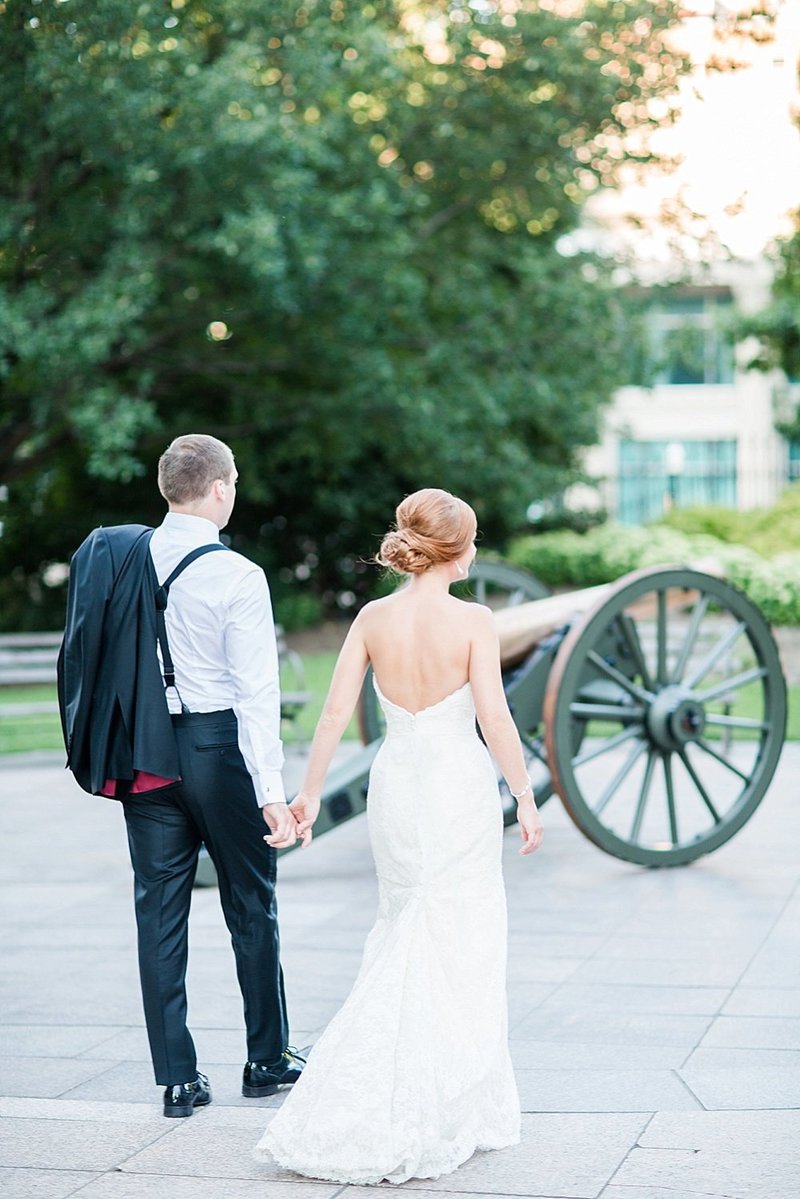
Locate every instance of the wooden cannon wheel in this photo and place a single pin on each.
(664, 716)
(491, 581)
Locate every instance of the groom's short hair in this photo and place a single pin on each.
(190, 465)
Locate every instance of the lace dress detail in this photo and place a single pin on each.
(413, 1074)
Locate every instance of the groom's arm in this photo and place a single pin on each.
(252, 656)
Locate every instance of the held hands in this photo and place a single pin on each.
(287, 822)
(530, 825)
(282, 825)
(305, 808)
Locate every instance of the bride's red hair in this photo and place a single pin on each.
(431, 527)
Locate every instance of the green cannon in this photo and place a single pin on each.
(654, 707)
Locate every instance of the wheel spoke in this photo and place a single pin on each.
(620, 777)
(618, 677)
(673, 817)
(633, 730)
(725, 762)
(644, 791)
(739, 680)
(661, 638)
(722, 647)
(706, 798)
(631, 635)
(737, 722)
(620, 712)
(691, 636)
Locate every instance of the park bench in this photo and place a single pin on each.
(30, 658)
(26, 659)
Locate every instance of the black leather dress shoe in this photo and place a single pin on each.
(181, 1100)
(259, 1080)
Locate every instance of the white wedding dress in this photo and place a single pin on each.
(413, 1074)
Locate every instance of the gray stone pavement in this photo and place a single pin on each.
(655, 1015)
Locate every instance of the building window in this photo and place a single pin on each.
(793, 465)
(688, 341)
(657, 475)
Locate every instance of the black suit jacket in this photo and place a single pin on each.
(114, 712)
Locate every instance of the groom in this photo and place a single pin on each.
(225, 707)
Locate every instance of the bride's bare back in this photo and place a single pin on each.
(419, 646)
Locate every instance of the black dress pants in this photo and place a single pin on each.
(214, 803)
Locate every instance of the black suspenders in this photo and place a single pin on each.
(162, 596)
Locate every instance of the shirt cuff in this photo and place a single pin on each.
(269, 787)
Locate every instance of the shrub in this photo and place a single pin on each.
(724, 523)
(768, 531)
(776, 530)
(773, 585)
(602, 555)
(297, 610)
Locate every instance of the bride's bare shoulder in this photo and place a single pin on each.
(373, 610)
(478, 618)
(473, 611)
(379, 605)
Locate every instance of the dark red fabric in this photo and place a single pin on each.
(142, 781)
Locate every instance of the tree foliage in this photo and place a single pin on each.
(327, 232)
(778, 325)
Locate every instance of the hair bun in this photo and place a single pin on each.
(403, 550)
(431, 527)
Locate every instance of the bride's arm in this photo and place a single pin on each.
(346, 684)
(497, 725)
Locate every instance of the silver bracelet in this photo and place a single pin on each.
(519, 794)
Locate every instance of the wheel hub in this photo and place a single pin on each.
(675, 718)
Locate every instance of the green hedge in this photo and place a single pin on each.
(768, 531)
(602, 555)
(297, 610)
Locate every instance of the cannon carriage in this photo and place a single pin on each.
(654, 707)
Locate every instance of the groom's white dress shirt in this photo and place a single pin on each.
(222, 640)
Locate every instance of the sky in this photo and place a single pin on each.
(736, 137)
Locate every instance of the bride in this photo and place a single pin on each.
(413, 1074)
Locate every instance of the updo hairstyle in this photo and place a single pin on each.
(432, 527)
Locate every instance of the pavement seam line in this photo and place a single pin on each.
(720, 1014)
(120, 1167)
(91, 1048)
(563, 982)
(609, 1181)
(709, 1022)
(94, 1077)
(58, 1170)
(685, 1084)
(731, 989)
(90, 1182)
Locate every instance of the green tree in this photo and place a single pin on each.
(327, 232)
(777, 325)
